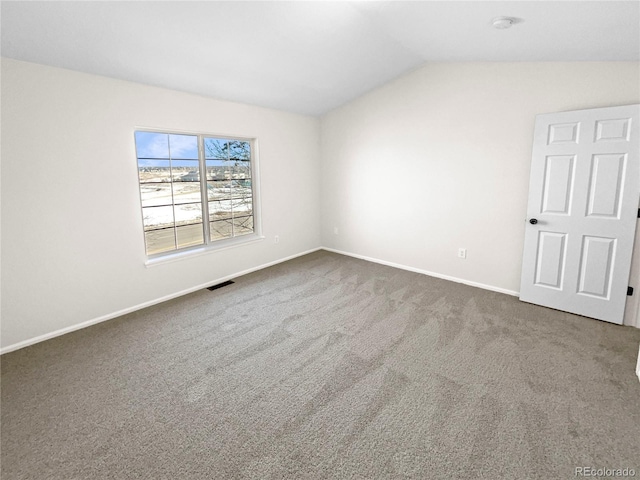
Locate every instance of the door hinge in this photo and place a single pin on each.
(629, 291)
(639, 213)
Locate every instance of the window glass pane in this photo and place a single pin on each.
(225, 169)
(234, 175)
(190, 235)
(219, 190)
(216, 148)
(158, 241)
(242, 170)
(242, 225)
(212, 173)
(157, 217)
(239, 150)
(186, 192)
(218, 163)
(155, 194)
(239, 176)
(226, 172)
(245, 183)
(242, 206)
(188, 214)
(152, 145)
(242, 189)
(220, 229)
(185, 171)
(183, 146)
(154, 171)
(219, 169)
(219, 210)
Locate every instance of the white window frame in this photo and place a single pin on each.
(208, 245)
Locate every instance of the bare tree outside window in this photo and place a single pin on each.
(229, 187)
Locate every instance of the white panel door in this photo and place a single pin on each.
(582, 212)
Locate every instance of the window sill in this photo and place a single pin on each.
(203, 250)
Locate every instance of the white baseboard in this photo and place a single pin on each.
(425, 272)
(638, 365)
(57, 333)
(448, 277)
(88, 323)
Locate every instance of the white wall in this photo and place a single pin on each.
(72, 245)
(436, 160)
(439, 159)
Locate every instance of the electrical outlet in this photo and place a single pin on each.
(335, 230)
(276, 239)
(462, 252)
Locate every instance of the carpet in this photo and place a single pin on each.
(326, 367)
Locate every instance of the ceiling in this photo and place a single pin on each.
(305, 57)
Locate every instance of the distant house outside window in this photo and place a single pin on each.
(195, 190)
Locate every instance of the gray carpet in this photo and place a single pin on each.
(326, 367)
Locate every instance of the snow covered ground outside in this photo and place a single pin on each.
(224, 202)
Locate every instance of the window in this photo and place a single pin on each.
(187, 178)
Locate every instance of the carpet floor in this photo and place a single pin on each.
(326, 367)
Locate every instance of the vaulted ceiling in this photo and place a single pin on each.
(306, 57)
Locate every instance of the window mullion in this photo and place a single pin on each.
(204, 191)
(173, 200)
